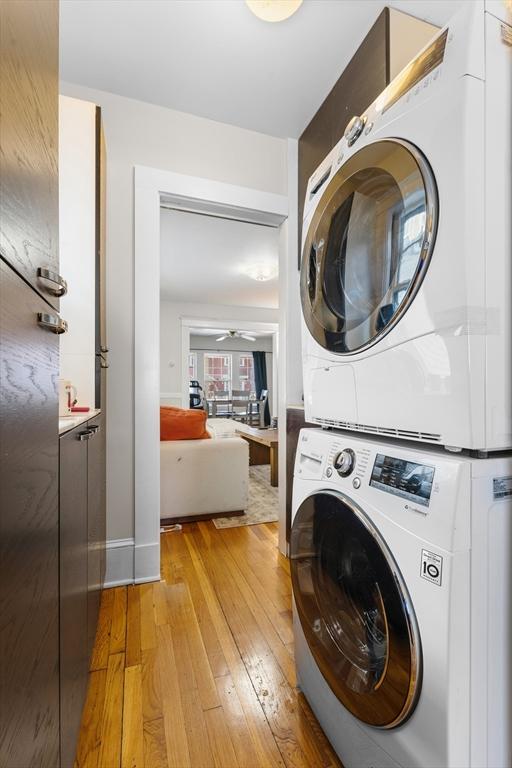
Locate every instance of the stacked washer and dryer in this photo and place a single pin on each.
(401, 542)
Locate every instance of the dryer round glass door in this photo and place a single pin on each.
(368, 245)
(355, 611)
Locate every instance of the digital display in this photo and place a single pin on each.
(419, 68)
(403, 478)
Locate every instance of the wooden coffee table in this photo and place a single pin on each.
(263, 446)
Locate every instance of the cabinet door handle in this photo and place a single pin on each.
(53, 277)
(103, 364)
(86, 435)
(103, 348)
(94, 428)
(53, 323)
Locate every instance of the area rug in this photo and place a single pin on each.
(263, 501)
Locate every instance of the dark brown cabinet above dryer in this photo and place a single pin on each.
(394, 39)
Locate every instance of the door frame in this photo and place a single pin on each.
(152, 187)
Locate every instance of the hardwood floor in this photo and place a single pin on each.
(197, 670)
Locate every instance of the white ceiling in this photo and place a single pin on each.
(215, 59)
(202, 260)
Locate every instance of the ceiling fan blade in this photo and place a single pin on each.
(247, 338)
(221, 338)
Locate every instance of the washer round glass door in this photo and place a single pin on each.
(368, 245)
(354, 610)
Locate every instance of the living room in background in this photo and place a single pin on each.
(154, 188)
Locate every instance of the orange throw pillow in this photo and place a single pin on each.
(182, 424)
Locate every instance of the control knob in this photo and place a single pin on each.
(354, 129)
(344, 462)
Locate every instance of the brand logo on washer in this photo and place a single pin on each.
(431, 567)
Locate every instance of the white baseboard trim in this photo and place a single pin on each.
(147, 562)
(130, 564)
(119, 562)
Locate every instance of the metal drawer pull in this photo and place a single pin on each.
(54, 323)
(103, 348)
(95, 428)
(53, 277)
(84, 435)
(103, 364)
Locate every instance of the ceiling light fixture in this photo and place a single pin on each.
(261, 271)
(274, 10)
(236, 335)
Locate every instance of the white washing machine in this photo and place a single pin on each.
(406, 280)
(401, 571)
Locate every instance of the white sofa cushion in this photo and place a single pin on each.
(221, 428)
(201, 477)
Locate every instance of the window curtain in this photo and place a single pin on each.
(260, 380)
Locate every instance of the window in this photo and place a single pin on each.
(217, 374)
(246, 372)
(192, 365)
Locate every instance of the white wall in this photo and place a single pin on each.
(144, 134)
(77, 243)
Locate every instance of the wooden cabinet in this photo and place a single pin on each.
(82, 547)
(29, 530)
(29, 369)
(96, 523)
(73, 587)
(29, 87)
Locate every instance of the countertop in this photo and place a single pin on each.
(75, 419)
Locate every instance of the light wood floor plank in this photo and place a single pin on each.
(155, 752)
(236, 722)
(197, 671)
(178, 755)
(118, 628)
(278, 699)
(133, 649)
(151, 687)
(272, 607)
(132, 754)
(112, 717)
(261, 735)
(89, 741)
(99, 658)
(220, 740)
(147, 617)
(186, 629)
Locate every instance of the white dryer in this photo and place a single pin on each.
(406, 280)
(401, 570)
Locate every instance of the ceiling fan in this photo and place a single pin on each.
(236, 335)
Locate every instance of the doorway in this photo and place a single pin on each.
(152, 189)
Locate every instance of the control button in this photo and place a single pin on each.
(356, 482)
(354, 129)
(368, 129)
(329, 472)
(344, 462)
